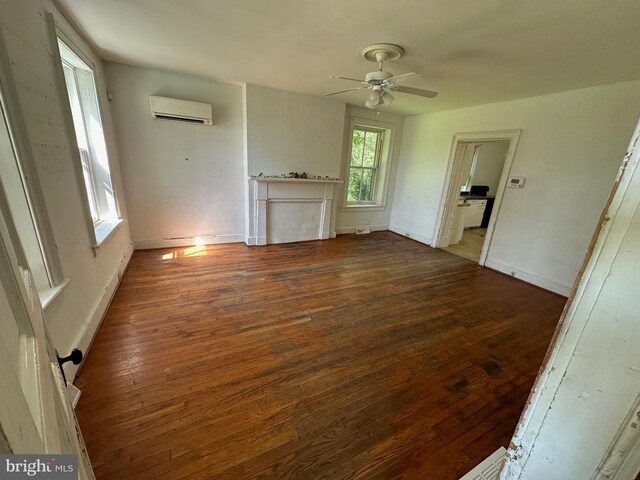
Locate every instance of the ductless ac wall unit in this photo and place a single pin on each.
(164, 108)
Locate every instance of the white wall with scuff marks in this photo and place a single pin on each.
(569, 152)
(74, 317)
(181, 180)
(376, 218)
(592, 379)
(289, 131)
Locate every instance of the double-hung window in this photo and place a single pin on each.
(366, 152)
(87, 123)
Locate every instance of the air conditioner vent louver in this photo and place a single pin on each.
(185, 111)
(180, 119)
(489, 468)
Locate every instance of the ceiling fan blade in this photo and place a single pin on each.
(403, 75)
(347, 78)
(417, 91)
(345, 90)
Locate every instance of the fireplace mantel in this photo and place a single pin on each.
(293, 180)
(290, 209)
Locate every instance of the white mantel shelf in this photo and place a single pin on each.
(301, 180)
(283, 210)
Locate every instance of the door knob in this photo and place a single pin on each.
(74, 357)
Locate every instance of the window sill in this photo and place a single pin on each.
(363, 207)
(49, 296)
(104, 231)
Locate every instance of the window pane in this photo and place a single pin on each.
(87, 121)
(366, 188)
(88, 182)
(357, 148)
(370, 149)
(74, 102)
(355, 178)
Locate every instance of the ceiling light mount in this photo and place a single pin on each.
(382, 52)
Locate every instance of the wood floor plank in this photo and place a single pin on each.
(360, 357)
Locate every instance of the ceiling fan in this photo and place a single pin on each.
(382, 83)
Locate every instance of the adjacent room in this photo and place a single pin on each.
(330, 240)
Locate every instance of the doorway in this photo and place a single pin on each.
(478, 170)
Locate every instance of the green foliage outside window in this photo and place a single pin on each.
(365, 158)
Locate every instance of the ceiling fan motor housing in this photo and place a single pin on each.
(376, 78)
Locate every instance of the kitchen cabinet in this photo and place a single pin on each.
(475, 213)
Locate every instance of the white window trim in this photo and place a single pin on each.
(384, 169)
(98, 232)
(49, 296)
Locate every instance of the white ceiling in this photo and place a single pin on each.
(471, 51)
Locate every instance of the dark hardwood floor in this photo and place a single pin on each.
(369, 357)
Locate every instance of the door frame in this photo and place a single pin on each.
(450, 192)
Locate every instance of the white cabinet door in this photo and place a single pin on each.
(475, 213)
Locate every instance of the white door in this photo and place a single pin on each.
(35, 414)
(463, 161)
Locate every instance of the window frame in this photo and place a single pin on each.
(88, 178)
(384, 168)
(99, 231)
(17, 131)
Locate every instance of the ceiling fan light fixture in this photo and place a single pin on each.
(373, 100)
(387, 98)
(368, 104)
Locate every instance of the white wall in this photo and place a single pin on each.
(75, 315)
(293, 132)
(569, 152)
(181, 180)
(377, 218)
(489, 165)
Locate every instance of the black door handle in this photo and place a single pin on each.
(75, 357)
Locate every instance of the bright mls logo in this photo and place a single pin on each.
(50, 467)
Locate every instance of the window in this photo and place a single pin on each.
(366, 153)
(87, 124)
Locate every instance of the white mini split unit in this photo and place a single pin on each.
(184, 111)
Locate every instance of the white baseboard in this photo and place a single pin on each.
(98, 313)
(255, 241)
(373, 228)
(532, 278)
(187, 241)
(410, 234)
